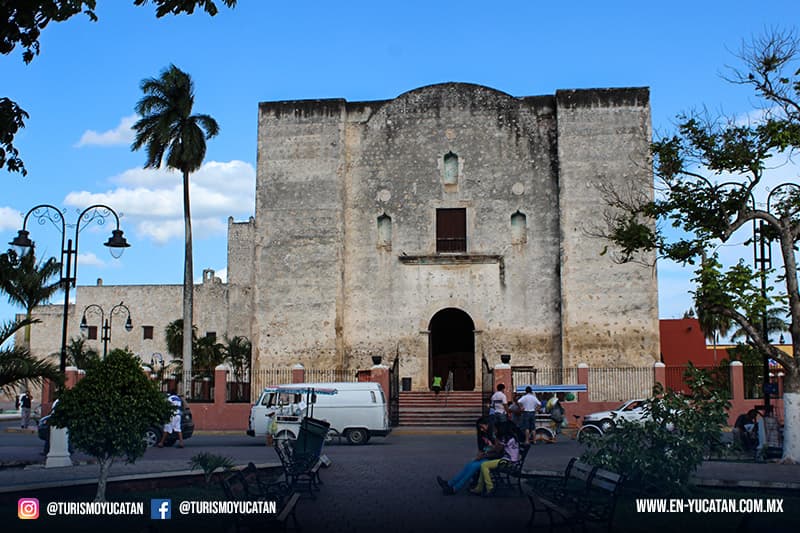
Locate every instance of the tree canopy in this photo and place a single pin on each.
(108, 411)
(21, 24)
(17, 365)
(709, 176)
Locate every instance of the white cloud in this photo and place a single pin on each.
(10, 219)
(90, 259)
(152, 200)
(121, 135)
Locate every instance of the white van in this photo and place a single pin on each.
(356, 411)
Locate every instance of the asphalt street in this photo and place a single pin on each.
(387, 485)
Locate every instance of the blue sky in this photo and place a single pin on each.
(81, 91)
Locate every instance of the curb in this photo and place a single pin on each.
(117, 479)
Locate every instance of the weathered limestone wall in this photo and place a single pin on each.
(241, 278)
(298, 241)
(331, 289)
(395, 168)
(150, 305)
(610, 311)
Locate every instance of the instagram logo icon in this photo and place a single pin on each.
(28, 508)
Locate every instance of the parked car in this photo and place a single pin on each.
(151, 437)
(631, 411)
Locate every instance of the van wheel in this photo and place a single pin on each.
(284, 435)
(357, 436)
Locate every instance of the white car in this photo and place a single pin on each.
(631, 411)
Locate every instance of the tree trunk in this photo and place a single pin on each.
(105, 466)
(791, 413)
(188, 290)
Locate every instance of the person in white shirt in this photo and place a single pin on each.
(499, 402)
(530, 405)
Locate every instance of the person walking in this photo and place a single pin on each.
(174, 423)
(25, 408)
(437, 384)
(530, 404)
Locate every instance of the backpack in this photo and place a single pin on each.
(16, 404)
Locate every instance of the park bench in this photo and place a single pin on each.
(249, 484)
(301, 471)
(507, 473)
(584, 496)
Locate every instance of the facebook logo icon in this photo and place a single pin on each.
(161, 509)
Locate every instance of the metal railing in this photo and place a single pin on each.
(619, 384)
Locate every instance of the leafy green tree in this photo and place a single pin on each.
(80, 354)
(659, 454)
(708, 173)
(208, 353)
(238, 354)
(108, 411)
(776, 323)
(22, 22)
(174, 336)
(17, 365)
(714, 326)
(168, 128)
(28, 283)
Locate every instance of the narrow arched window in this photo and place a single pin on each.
(519, 228)
(450, 168)
(384, 231)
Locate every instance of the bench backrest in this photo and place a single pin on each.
(606, 480)
(579, 471)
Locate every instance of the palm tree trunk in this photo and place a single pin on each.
(188, 289)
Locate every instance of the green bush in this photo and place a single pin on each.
(659, 455)
(108, 411)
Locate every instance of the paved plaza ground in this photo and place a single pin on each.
(388, 485)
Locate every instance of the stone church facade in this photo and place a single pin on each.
(451, 223)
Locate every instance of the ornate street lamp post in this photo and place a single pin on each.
(69, 254)
(105, 323)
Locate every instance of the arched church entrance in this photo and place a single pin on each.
(452, 348)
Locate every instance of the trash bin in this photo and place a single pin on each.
(405, 384)
(311, 437)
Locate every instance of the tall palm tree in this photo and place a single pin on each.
(776, 323)
(168, 127)
(238, 353)
(17, 365)
(28, 283)
(714, 326)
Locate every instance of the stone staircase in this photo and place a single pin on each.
(448, 409)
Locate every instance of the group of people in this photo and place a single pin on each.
(496, 442)
(500, 435)
(522, 412)
(753, 431)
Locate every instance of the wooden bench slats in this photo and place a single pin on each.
(585, 494)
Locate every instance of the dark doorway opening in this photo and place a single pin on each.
(452, 348)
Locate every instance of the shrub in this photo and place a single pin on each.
(659, 454)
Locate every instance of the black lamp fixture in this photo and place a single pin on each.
(105, 322)
(97, 213)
